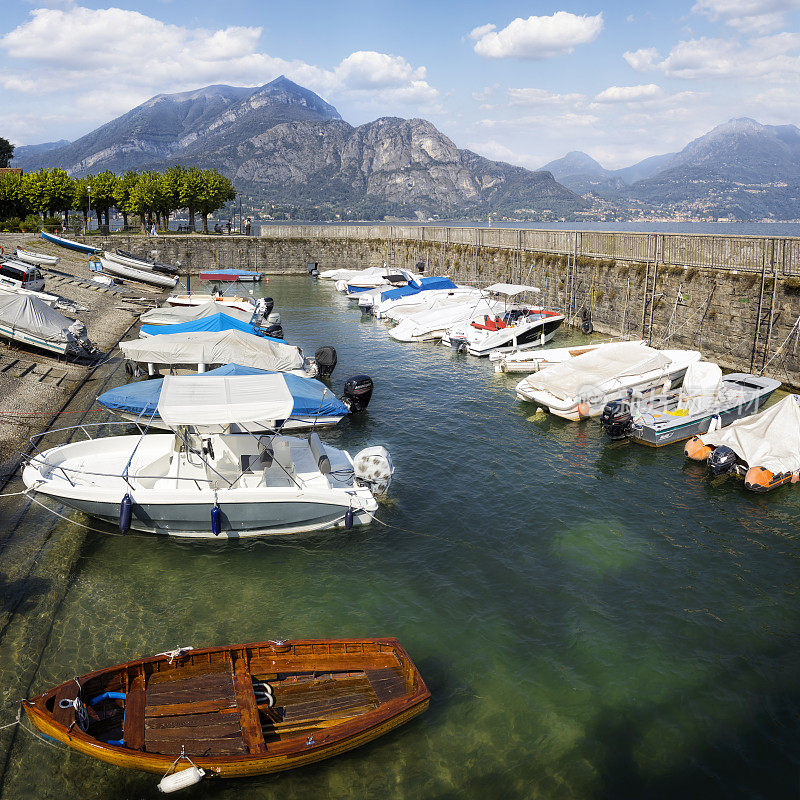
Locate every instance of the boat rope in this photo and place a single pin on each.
(783, 344)
(88, 527)
(426, 535)
(48, 413)
(691, 316)
(14, 494)
(36, 735)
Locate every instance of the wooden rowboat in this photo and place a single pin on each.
(238, 710)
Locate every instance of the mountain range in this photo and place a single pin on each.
(740, 169)
(281, 143)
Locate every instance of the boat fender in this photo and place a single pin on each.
(586, 322)
(125, 508)
(107, 696)
(713, 424)
(215, 519)
(128, 367)
(584, 409)
(666, 386)
(181, 780)
(696, 450)
(318, 451)
(348, 519)
(760, 479)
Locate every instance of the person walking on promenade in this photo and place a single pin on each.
(247, 225)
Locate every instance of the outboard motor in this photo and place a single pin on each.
(326, 360)
(617, 419)
(357, 393)
(722, 460)
(373, 467)
(275, 331)
(312, 268)
(264, 306)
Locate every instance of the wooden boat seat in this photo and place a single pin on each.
(327, 698)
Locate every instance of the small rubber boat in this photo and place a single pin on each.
(141, 275)
(234, 711)
(36, 259)
(706, 401)
(230, 275)
(582, 386)
(764, 449)
(69, 243)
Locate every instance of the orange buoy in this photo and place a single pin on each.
(696, 450)
(584, 410)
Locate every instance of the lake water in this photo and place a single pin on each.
(593, 619)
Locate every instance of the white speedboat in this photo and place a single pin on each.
(200, 481)
(246, 304)
(419, 296)
(36, 259)
(388, 277)
(374, 276)
(527, 361)
(433, 324)
(517, 327)
(581, 386)
(135, 274)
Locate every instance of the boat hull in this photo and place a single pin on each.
(143, 276)
(69, 244)
(262, 754)
(36, 259)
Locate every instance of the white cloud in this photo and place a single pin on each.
(541, 97)
(537, 37)
(628, 94)
(774, 58)
(145, 56)
(747, 16)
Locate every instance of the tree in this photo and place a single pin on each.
(35, 191)
(217, 190)
(12, 202)
(60, 191)
(103, 186)
(122, 192)
(6, 152)
(191, 190)
(146, 197)
(80, 199)
(171, 181)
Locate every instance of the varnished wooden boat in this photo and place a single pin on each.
(238, 710)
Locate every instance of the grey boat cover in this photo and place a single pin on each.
(594, 369)
(169, 315)
(770, 439)
(211, 347)
(28, 313)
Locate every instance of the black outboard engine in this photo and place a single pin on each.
(722, 460)
(275, 331)
(357, 393)
(264, 306)
(617, 419)
(326, 360)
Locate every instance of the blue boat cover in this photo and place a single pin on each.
(214, 323)
(311, 398)
(420, 285)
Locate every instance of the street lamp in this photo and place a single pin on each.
(89, 215)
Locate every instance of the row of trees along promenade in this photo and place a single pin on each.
(151, 196)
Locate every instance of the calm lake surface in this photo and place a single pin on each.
(593, 619)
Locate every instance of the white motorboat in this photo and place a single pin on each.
(338, 274)
(203, 350)
(174, 315)
(581, 386)
(527, 361)
(201, 481)
(374, 276)
(36, 259)
(134, 274)
(238, 302)
(517, 327)
(388, 278)
(433, 324)
(27, 319)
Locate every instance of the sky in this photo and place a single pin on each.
(523, 82)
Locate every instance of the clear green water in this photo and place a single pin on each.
(594, 620)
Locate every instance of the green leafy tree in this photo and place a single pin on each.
(217, 190)
(35, 191)
(171, 181)
(12, 200)
(122, 192)
(60, 191)
(80, 199)
(146, 198)
(191, 191)
(6, 152)
(103, 186)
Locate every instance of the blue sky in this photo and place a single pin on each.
(521, 82)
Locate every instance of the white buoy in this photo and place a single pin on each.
(180, 780)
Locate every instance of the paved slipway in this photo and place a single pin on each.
(35, 386)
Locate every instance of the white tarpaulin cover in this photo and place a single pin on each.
(215, 402)
(701, 383)
(30, 314)
(226, 347)
(175, 315)
(770, 439)
(444, 317)
(510, 289)
(595, 369)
